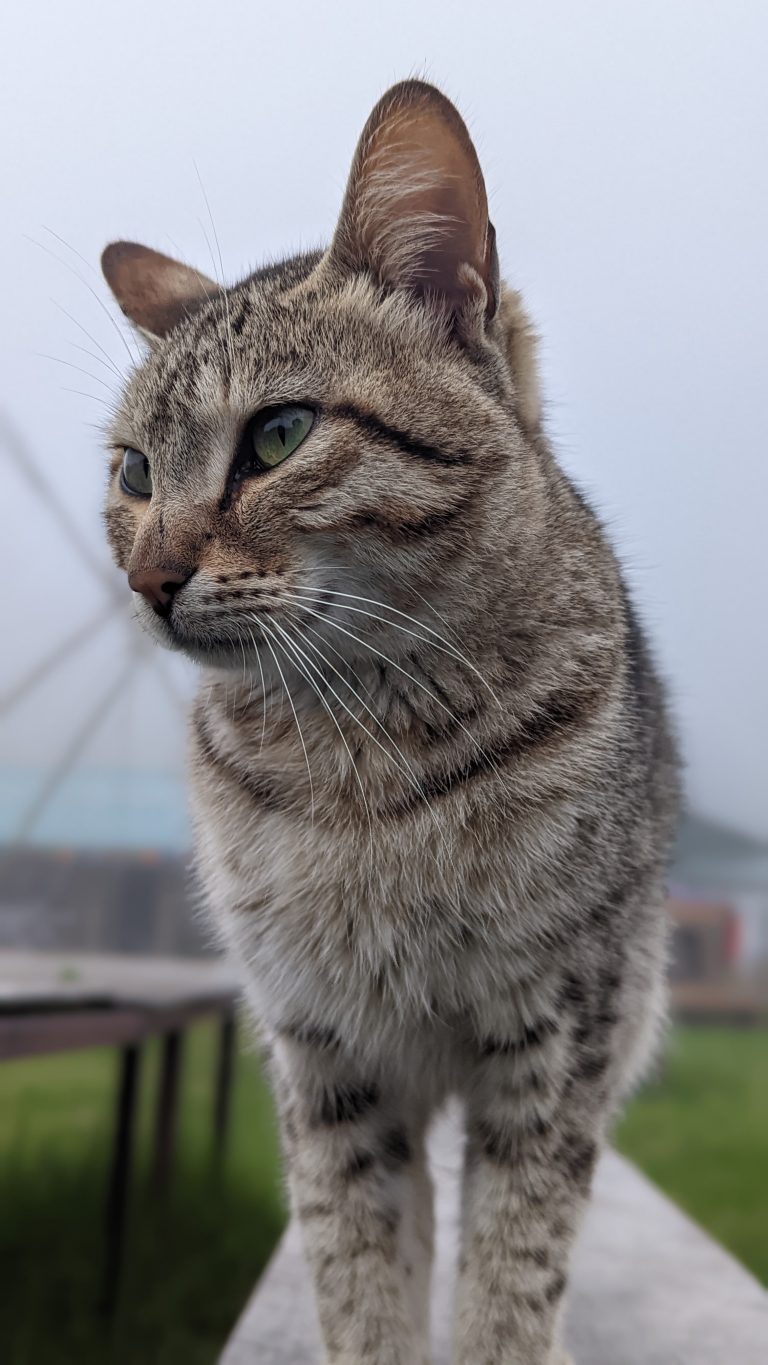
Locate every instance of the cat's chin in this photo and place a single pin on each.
(210, 652)
(223, 655)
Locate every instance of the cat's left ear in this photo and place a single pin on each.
(153, 290)
(415, 212)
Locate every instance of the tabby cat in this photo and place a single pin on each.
(432, 781)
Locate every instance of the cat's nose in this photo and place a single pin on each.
(159, 586)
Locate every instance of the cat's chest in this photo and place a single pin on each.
(332, 923)
(352, 917)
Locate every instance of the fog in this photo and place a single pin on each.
(624, 147)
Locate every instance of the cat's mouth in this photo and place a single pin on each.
(220, 641)
(207, 643)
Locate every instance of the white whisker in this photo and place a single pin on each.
(311, 630)
(451, 630)
(321, 616)
(106, 364)
(93, 396)
(263, 691)
(71, 366)
(86, 285)
(309, 679)
(443, 645)
(91, 338)
(201, 226)
(268, 638)
(404, 766)
(318, 636)
(242, 650)
(230, 339)
(89, 264)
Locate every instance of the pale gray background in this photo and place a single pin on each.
(624, 146)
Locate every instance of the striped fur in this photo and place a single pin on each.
(432, 782)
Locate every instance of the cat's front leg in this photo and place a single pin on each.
(533, 1134)
(359, 1186)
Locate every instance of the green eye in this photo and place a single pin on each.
(277, 432)
(135, 474)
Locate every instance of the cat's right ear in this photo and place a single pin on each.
(153, 290)
(415, 212)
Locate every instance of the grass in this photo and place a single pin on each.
(699, 1131)
(191, 1261)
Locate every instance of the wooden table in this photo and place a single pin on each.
(52, 1002)
(725, 1000)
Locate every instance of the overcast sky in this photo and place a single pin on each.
(624, 147)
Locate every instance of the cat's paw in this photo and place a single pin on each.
(561, 1357)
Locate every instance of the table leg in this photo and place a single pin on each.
(166, 1112)
(120, 1176)
(223, 1091)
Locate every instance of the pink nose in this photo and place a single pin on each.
(159, 586)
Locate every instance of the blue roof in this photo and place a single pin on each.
(98, 808)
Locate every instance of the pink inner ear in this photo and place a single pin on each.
(153, 290)
(416, 208)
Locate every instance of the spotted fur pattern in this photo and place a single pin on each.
(432, 782)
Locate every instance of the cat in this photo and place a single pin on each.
(433, 782)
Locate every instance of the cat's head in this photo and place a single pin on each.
(336, 427)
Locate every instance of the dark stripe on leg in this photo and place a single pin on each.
(531, 1037)
(347, 1103)
(396, 1149)
(311, 1035)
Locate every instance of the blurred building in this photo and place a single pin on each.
(106, 900)
(705, 943)
(105, 866)
(719, 912)
(717, 866)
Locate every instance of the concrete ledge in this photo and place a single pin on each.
(648, 1287)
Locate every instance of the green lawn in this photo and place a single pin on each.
(700, 1131)
(191, 1264)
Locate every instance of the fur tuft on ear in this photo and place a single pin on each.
(153, 290)
(415, 212)
(521, 345)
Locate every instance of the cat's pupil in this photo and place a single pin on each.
(281, 426)
(276, 433)
(136, 474)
